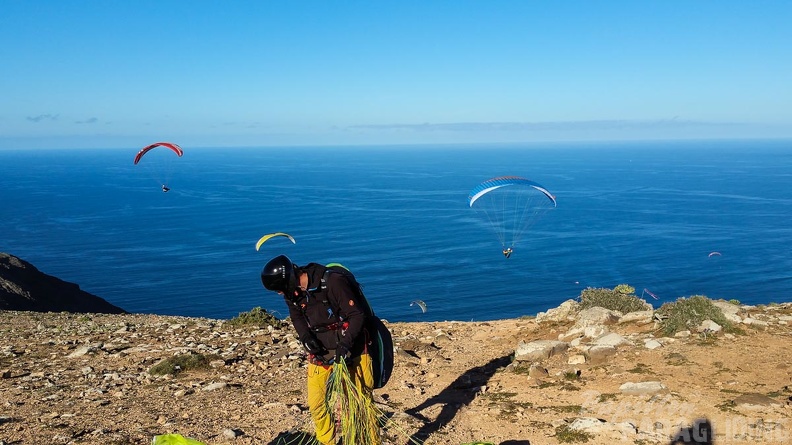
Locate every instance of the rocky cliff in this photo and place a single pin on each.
(25, 288)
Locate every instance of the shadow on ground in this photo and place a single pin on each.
(294, 438)
(459, 393)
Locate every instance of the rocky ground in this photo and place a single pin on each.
(562, 377)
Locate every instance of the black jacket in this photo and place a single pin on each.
(333, 315)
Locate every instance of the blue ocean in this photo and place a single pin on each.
(648, 214)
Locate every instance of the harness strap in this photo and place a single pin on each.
(337, 326)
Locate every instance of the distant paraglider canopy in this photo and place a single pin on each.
(420, 304)
(266, 237)
(713, 254)
(648, 292)
(511, 205)
(159, 163)
(175, 148)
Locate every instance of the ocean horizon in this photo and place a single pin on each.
(670, 218)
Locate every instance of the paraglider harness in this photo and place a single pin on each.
(379, 342)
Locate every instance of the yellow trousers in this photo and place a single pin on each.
(361, 373)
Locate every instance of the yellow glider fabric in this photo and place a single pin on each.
(271, 235)
(174, 439)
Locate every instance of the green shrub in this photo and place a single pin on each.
(640, 368)
(182, 362)
(625, 289)
(565, 434)
(610, 396)
(567, 409)
(255, 317)
(621, 298)
(688, 313)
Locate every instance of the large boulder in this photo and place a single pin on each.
(565, 312)
(597, 316)
(25, 288)
(539, 350)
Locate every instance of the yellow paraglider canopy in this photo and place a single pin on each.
(272, 235)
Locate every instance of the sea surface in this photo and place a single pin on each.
(647, 214)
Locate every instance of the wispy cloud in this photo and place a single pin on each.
(43, 117)
(90, 120)
(615, 124)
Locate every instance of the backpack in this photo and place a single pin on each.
(379, 344)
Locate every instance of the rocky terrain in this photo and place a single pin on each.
(566, 376)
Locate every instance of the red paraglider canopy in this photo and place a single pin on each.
(176, 149)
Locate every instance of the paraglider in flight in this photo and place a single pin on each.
(264, 238)
(159, 163)
(511, 205)
(420, 304)
(175, 148)
(713, 254)
(647, 291)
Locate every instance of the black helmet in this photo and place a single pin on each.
(278, 275)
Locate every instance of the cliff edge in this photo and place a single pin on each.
(24, 288)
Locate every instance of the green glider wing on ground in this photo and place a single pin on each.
(174, 439)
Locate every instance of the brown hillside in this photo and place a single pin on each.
(84, 379)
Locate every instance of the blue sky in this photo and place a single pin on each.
(209, 73)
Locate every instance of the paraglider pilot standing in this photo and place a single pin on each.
(331, 327)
